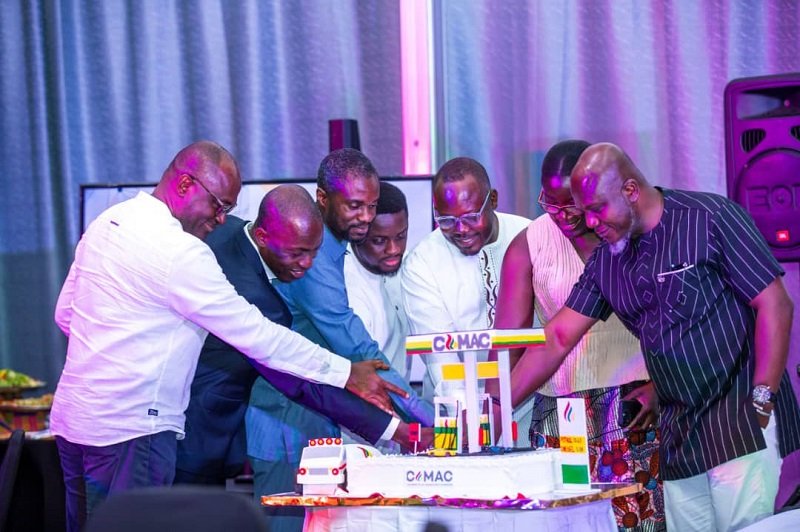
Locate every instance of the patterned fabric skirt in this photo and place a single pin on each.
(614, 456)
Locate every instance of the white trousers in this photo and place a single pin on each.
(728, 497)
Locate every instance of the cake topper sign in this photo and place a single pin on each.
(470, 340)
(473, 340)
(467, 344)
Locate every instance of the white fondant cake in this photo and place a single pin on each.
(486, 476)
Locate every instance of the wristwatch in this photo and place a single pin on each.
(763, 395)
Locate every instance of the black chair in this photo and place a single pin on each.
(8, 472)
(177, 509)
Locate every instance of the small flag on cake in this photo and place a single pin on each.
(413, 432)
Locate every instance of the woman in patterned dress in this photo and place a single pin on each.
(540, 267)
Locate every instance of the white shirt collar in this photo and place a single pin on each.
(270, 275)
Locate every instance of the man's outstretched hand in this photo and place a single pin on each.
(365, 383)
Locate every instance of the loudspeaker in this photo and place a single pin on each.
(343, 133)
(762, 148)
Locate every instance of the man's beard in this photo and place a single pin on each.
(620, 245)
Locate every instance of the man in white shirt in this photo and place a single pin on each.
(139, 300)
(370, 274)
(450, 280)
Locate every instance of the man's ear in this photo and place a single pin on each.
(322, 199)
(183, 184)
(493, 198)
(630, 190)
(260, 236)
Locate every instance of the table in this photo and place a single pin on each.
(39, 501)
(557, 511)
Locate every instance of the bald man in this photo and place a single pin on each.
(139, 300)
(280, 244)
(690, 275)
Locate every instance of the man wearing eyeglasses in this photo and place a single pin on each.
(450, 279)
(139, 300)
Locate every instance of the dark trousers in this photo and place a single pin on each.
(93, 473)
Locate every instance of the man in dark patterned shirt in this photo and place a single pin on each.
(690, 275)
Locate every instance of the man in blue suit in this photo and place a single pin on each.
(280, 244)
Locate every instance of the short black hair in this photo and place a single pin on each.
(562, 157)
(460, 167)
(343, 164)
(391, 200)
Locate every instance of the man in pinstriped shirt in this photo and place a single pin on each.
(689, 274)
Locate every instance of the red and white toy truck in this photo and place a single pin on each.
(323, 465)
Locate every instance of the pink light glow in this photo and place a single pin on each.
(416, 89)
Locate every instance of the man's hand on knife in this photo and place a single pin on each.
(365, 383)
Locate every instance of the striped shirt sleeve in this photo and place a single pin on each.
(748, 264)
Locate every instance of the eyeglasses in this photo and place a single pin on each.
(470, 219)
(549, 208)
(222, 207)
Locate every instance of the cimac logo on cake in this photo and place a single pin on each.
(461, 341)
(429, 476)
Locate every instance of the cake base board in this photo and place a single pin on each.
(556, 499)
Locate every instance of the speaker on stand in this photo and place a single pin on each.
(762, 146)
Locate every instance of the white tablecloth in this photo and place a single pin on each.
(595, 516)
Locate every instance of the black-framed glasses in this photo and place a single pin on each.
(470, 219)
(550, 208)
(222, 207)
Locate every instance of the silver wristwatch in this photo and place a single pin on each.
(763, 395)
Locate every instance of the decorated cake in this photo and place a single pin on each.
(329, 467)
(485, 476)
